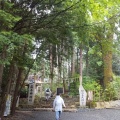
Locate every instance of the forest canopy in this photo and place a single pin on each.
(69, 38)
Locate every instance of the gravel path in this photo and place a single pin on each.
(81, 114)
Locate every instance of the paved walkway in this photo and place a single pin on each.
(81, 114)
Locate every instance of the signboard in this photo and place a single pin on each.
(31, 94)
(8, 105)
(17, 104)
(90, 95)
(60, 90)
(83, 96)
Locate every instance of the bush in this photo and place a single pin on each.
(24, 92)
(90, 84)
(91, 104)
(74, 88)
(116, 86)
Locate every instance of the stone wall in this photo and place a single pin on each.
(109, 104)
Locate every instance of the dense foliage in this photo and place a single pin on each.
(58, 39)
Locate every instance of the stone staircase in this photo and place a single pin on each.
(70, 102)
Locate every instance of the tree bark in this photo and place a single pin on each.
(15, 97)
(107, 60)
(80, 78)
(18, 81)
(2, 57)
(107, 46)
(87, 62)
(6, 90)
(73, 62)
(51, 67)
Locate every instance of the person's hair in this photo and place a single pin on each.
(58, 93)
(47, 90)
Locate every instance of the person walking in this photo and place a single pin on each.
(47, 94)
(58, 103)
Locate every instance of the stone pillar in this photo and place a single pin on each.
(8, 105)
(31, 94)
(83, 96)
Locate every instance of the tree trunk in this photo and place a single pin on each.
(107, 60)
(107, 45)
(6, 90)
(106, 42)
(87, 62)
(80, 78)
(15, 97)
(2, 57)
(20, 86)
(77, 65)
(51, 67)
(1, 73)
(73, 62)
(18, 81)
(58, 65)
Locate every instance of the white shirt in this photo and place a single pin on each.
(58, 103)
